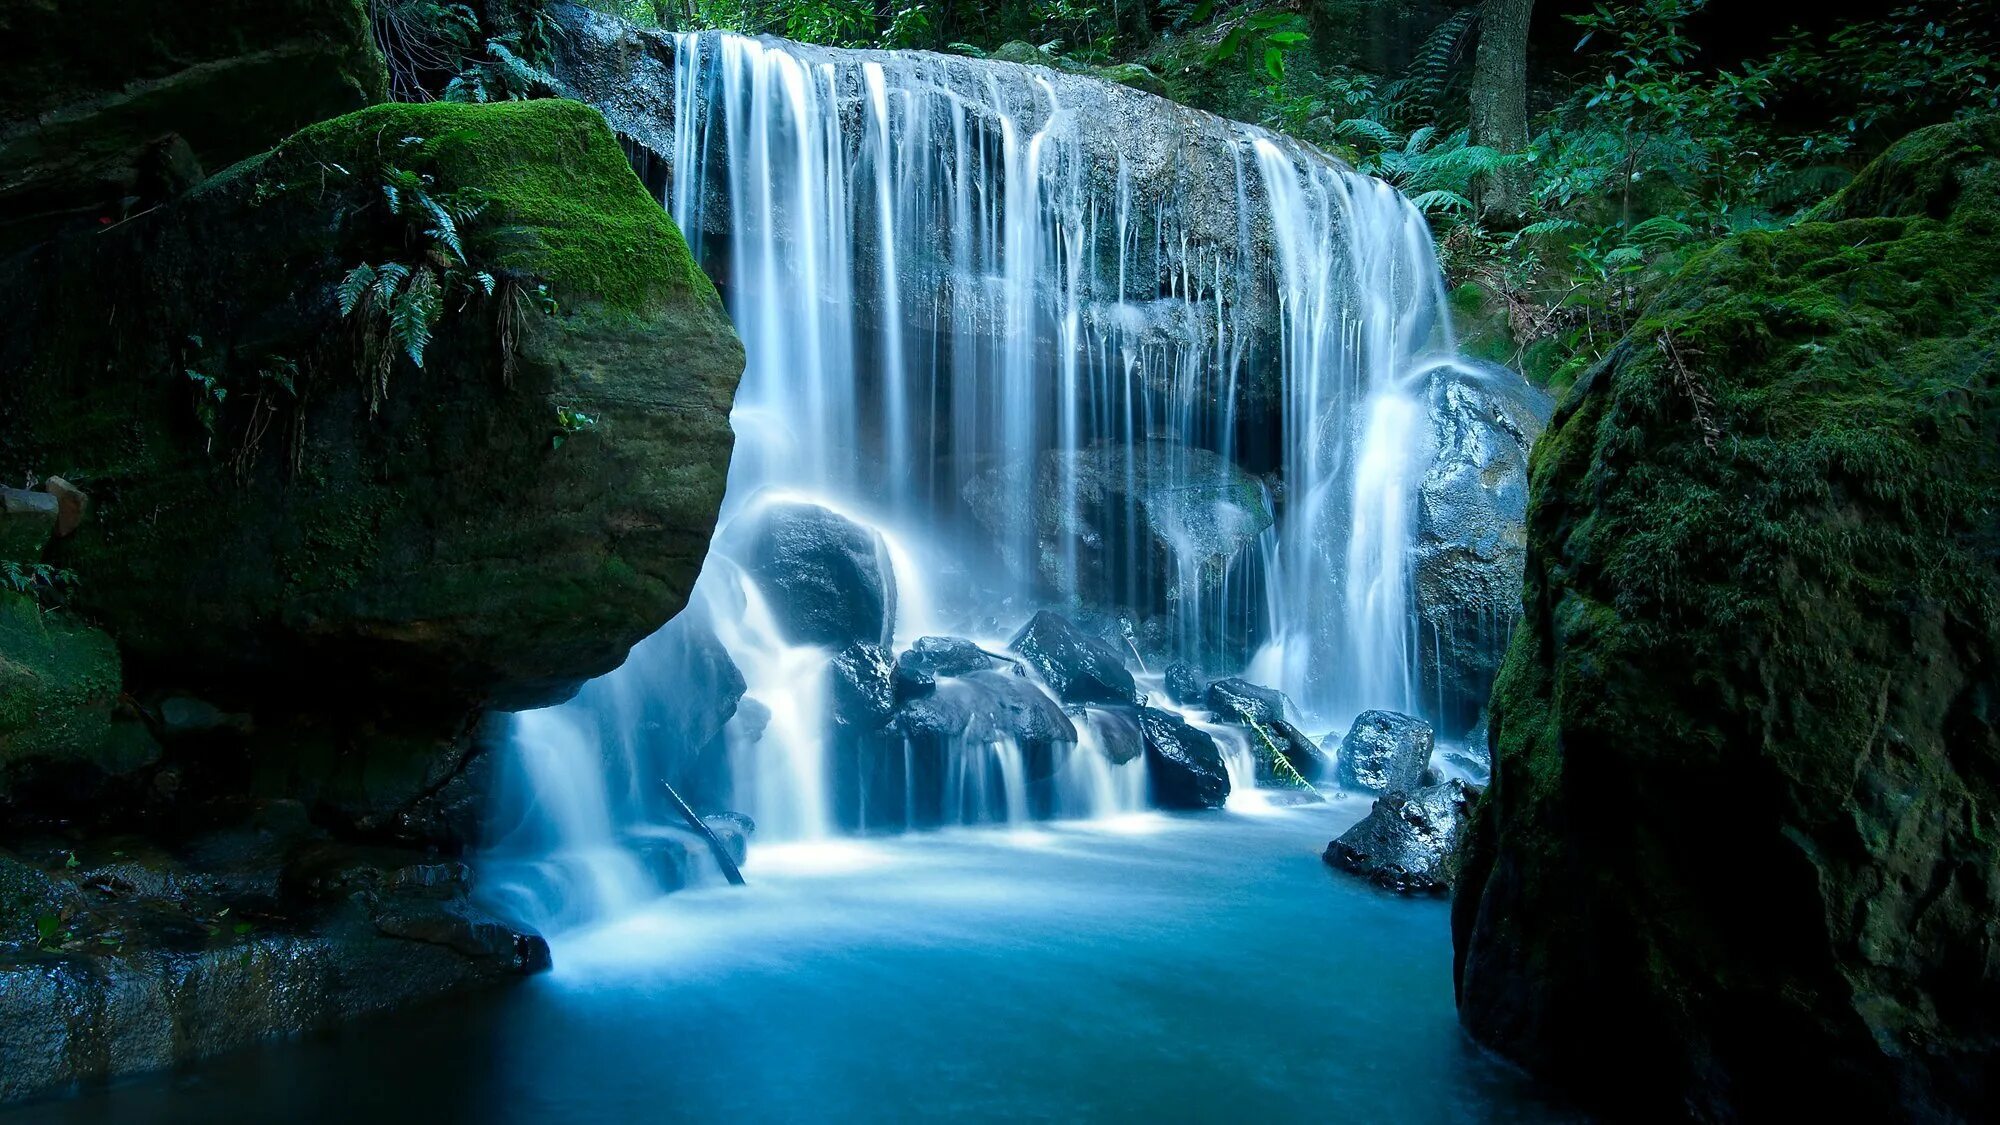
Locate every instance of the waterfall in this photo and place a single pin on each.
(1057, 344)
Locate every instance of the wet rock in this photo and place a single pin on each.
(1117, 732)
(984, 706)
(64, 732)
(1183, 765)
(1154, 525)
(1384, 751)
(1240, 701)
(182, 715)
(827, 578)
(1186, 685)
(918, 668)
(1471, 539)
(1407, 841)
(864, 686)
(1076, 666)
(1299, 751)
(733, 829)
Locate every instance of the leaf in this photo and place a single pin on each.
(485, 281)
(1274, 63)
(1229, 47)
(1288, 38)
(414, 312)
(389, 278)
(1441, 202)
(354, 287)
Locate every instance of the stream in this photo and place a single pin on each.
(1151, 967)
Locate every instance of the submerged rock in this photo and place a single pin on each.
(983, 706)
(1408, 840)
(827, 579)
(1471, 540)
(918, 668)
(1739, 858)
(1183, 765)
(1384, 751)
(1076, 666)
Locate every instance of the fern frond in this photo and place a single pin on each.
(411, 317)
(444, 228)
(354, 287)
(1440, 202)
(1368, 129)
(389, 278)
(1659, 233)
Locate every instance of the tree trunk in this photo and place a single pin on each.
(1500, 99)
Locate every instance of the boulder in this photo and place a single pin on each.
(27, 523)
(1240, 701)
(984, 706)
(104, 116)
(64, 731)
(1183, 766)
(418, 536)
(71, 505)
(1186, 685)
(1739, 858)
(1077, 666)
(1384, 751)
(864, 687)
(1408, 841)
(826, 578)
(1471, 537)
(1115, 732)
(918, 668)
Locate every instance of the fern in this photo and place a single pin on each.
(1439, 201)
(414, 312)
(1368, 129)
(389, 278)
(354, 287)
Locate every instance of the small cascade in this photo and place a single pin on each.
(1049, 343)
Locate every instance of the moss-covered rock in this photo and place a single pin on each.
(61, 723)
(345, 527)
(118, 99)
(1741, 855)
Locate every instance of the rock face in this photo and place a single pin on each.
(1183, 764)
(1384, 751)
(101, 116)
(827, 578)
(63, 729)
(427, 539)
(1739, 856)
(1408, 841)
(1153, 525)
(1076, 666)
(129, 958)
(1471, 544)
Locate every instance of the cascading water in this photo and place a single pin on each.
(1165, 375)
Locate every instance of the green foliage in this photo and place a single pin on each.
(570, 422)
(446, 50)
(46, 583)
(410, 296)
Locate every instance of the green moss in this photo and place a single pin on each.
(1747, 730)
(559, 192)
(57, 679)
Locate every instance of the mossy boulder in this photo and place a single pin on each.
(1741, 855)
(342, 531)
(119, 99)
(62, 725)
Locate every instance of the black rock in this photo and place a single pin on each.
(1406, 842)
(1305, 758)
(918, 668)
(1076, 666)
(863, 681)
(1240, 701)
(1116, 732)
(985, 706)
(1183, 764)
(1186, 685)
(826, 577)
(1384, 751)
